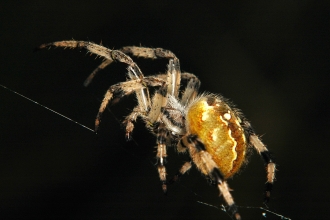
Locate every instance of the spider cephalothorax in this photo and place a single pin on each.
(214, 133)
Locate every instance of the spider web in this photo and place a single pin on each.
(265, 212)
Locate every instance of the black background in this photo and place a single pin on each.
(270, 57)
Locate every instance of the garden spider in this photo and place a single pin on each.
(214, 133)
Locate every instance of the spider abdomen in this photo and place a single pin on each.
(218, 128)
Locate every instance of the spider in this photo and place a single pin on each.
(215, 134)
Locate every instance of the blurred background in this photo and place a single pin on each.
(269, 57)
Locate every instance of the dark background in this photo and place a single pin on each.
(270, 57)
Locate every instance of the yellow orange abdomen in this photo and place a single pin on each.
(219, 129)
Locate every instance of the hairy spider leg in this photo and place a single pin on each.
(134, 71)
(151, 53)
(118, 90)
(189, 94)
(129, 122)
(158, 104)
(159, 101)
(162, 133)
(173, 68)
(191, 90)
(270, 164)
(173, 74)
(142, 95)
(103, 65)
(205, 163)
(122, 89)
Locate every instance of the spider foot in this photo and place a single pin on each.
(164, 187)
(268, 189)
(128, 137)
(175, 178)
(234, 212)
(184, 169)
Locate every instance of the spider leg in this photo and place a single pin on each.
(103, 65)
(142, 95)
(146, 52)
(93, 48)
(171, 89)
(119, 90)
(129, 122)
(184, 169)
(122, 89)
(100, 67)
(107, 62)
(110, 55)
(174, 73)
(159, 101)
(134, 71)
(271, 166)
(191, 90)
(173, 77)
(161, 154)
(138, 112)
(208, 167)
(173, 115)
(158, 120)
